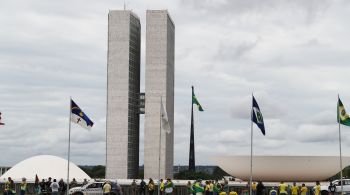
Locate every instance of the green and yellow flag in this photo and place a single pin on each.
(342, 116)
(195, 101)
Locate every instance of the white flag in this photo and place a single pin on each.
(164, 117)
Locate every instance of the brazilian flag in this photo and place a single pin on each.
(342, 116)
(197, 188)
(195, 101)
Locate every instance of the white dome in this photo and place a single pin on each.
(44, 166)
(282, 168)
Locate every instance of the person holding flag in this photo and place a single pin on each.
(198, 188)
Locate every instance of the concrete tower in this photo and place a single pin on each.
(123, 89)
(160, 44)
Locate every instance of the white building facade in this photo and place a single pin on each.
(160, 45)
(123, 90)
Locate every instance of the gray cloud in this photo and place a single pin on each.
(293, 55)
(231, 51)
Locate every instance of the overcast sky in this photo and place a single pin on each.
(293, 55)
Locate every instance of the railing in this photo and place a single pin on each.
(178, 190)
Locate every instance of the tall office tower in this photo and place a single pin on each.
(160, 43)
(123, 89)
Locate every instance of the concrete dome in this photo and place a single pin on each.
(44, 166)
(282, 168)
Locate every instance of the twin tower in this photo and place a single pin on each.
(125, 103)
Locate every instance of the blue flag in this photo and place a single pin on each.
(257, 117)
(79, 117)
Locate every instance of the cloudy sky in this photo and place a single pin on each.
(293, 55)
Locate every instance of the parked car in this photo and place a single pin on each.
(95, 188)
(335, 186)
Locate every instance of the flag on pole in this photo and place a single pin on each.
(79, 117)
(257, 117)
(195, 101)
(342, 116)
(164, 118)
(1, 123)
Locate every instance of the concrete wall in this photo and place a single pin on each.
(3, 170)
(160, 43)
(123, 86)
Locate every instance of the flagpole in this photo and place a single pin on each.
(160, 141)
(340, 153)
(192, 155)
(70, 116)
(251, 151)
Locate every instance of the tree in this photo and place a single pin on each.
(192, 175)
(94, 171)
(218, 173)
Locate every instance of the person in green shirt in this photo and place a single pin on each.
(216, 187)
(197, 187)
(190, 190)
(169, 186)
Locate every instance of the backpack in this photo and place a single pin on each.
(150, 187)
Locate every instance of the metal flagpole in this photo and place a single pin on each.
(251, 151)
(70, 116)
(192, 155)
(340, 155)
(160, 141)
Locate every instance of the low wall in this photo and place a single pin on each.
(180, 189)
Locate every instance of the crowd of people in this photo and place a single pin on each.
(216, 188)
(165, 187)
(45, 187)
(208, 187)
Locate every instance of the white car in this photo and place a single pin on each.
(335, 186)
(94, 188)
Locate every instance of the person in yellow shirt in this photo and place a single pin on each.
(23, 186)
(233, 193)
(294, 189)
(317, 188)
(206, 189)
(282, 189)
(107, 188)
(211, 187)
(303, 189)
(161, 187)
(254, 188)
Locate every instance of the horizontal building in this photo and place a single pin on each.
(282, 168)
